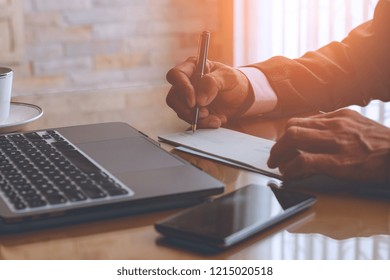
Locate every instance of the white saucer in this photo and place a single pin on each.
(20, 115)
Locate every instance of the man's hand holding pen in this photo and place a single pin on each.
(220, 94)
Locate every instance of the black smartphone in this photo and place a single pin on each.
(220, 223)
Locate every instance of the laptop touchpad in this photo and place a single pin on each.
(129, 154)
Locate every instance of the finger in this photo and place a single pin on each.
(288, 155)
(222, 117)
(211, 121)
(315, 123)
(304, 139)
(306, 164)
(179, 77)
(179, 106)
(294, 169)
(182, 71)
(203, 112)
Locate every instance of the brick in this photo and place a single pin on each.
(94, 16)
(92, 47)
(120, 60)
(161, 57)
(61, 66)
(138, 13)
(43, 35)
(27, 6)
(60, 5)
(150, 43)
(5, 42)
(112, 31)
(46, 51)
(43, 20)
(97, 79)
(38, 85)
(188, 40)
(21, 71)
(120, 3)
(146, 73)
(171, 27)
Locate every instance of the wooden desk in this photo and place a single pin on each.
(341, 225)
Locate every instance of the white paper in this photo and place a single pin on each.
(231, 146)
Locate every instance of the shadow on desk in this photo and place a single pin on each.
(85, 229)
(345, 216)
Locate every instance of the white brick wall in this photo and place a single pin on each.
(86, 44)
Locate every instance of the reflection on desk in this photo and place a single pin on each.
(341, 225)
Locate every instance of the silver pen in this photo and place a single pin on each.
(200, 69)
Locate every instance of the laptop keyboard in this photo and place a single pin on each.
(43, 169)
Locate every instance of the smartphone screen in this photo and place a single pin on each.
(229, 219)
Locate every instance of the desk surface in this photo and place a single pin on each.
(341, 225)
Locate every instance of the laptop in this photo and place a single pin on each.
(83, 173)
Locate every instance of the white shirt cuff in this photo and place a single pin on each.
(265, 98)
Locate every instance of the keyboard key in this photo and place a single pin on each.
(18, 203)
(80, 161)
(5, 188)
(75, 195)
(93, 192)
(35, 202)
(56, 199)
(63, 146)
(113, 191)
(33, 136)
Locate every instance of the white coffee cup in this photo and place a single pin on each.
(5, 92)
